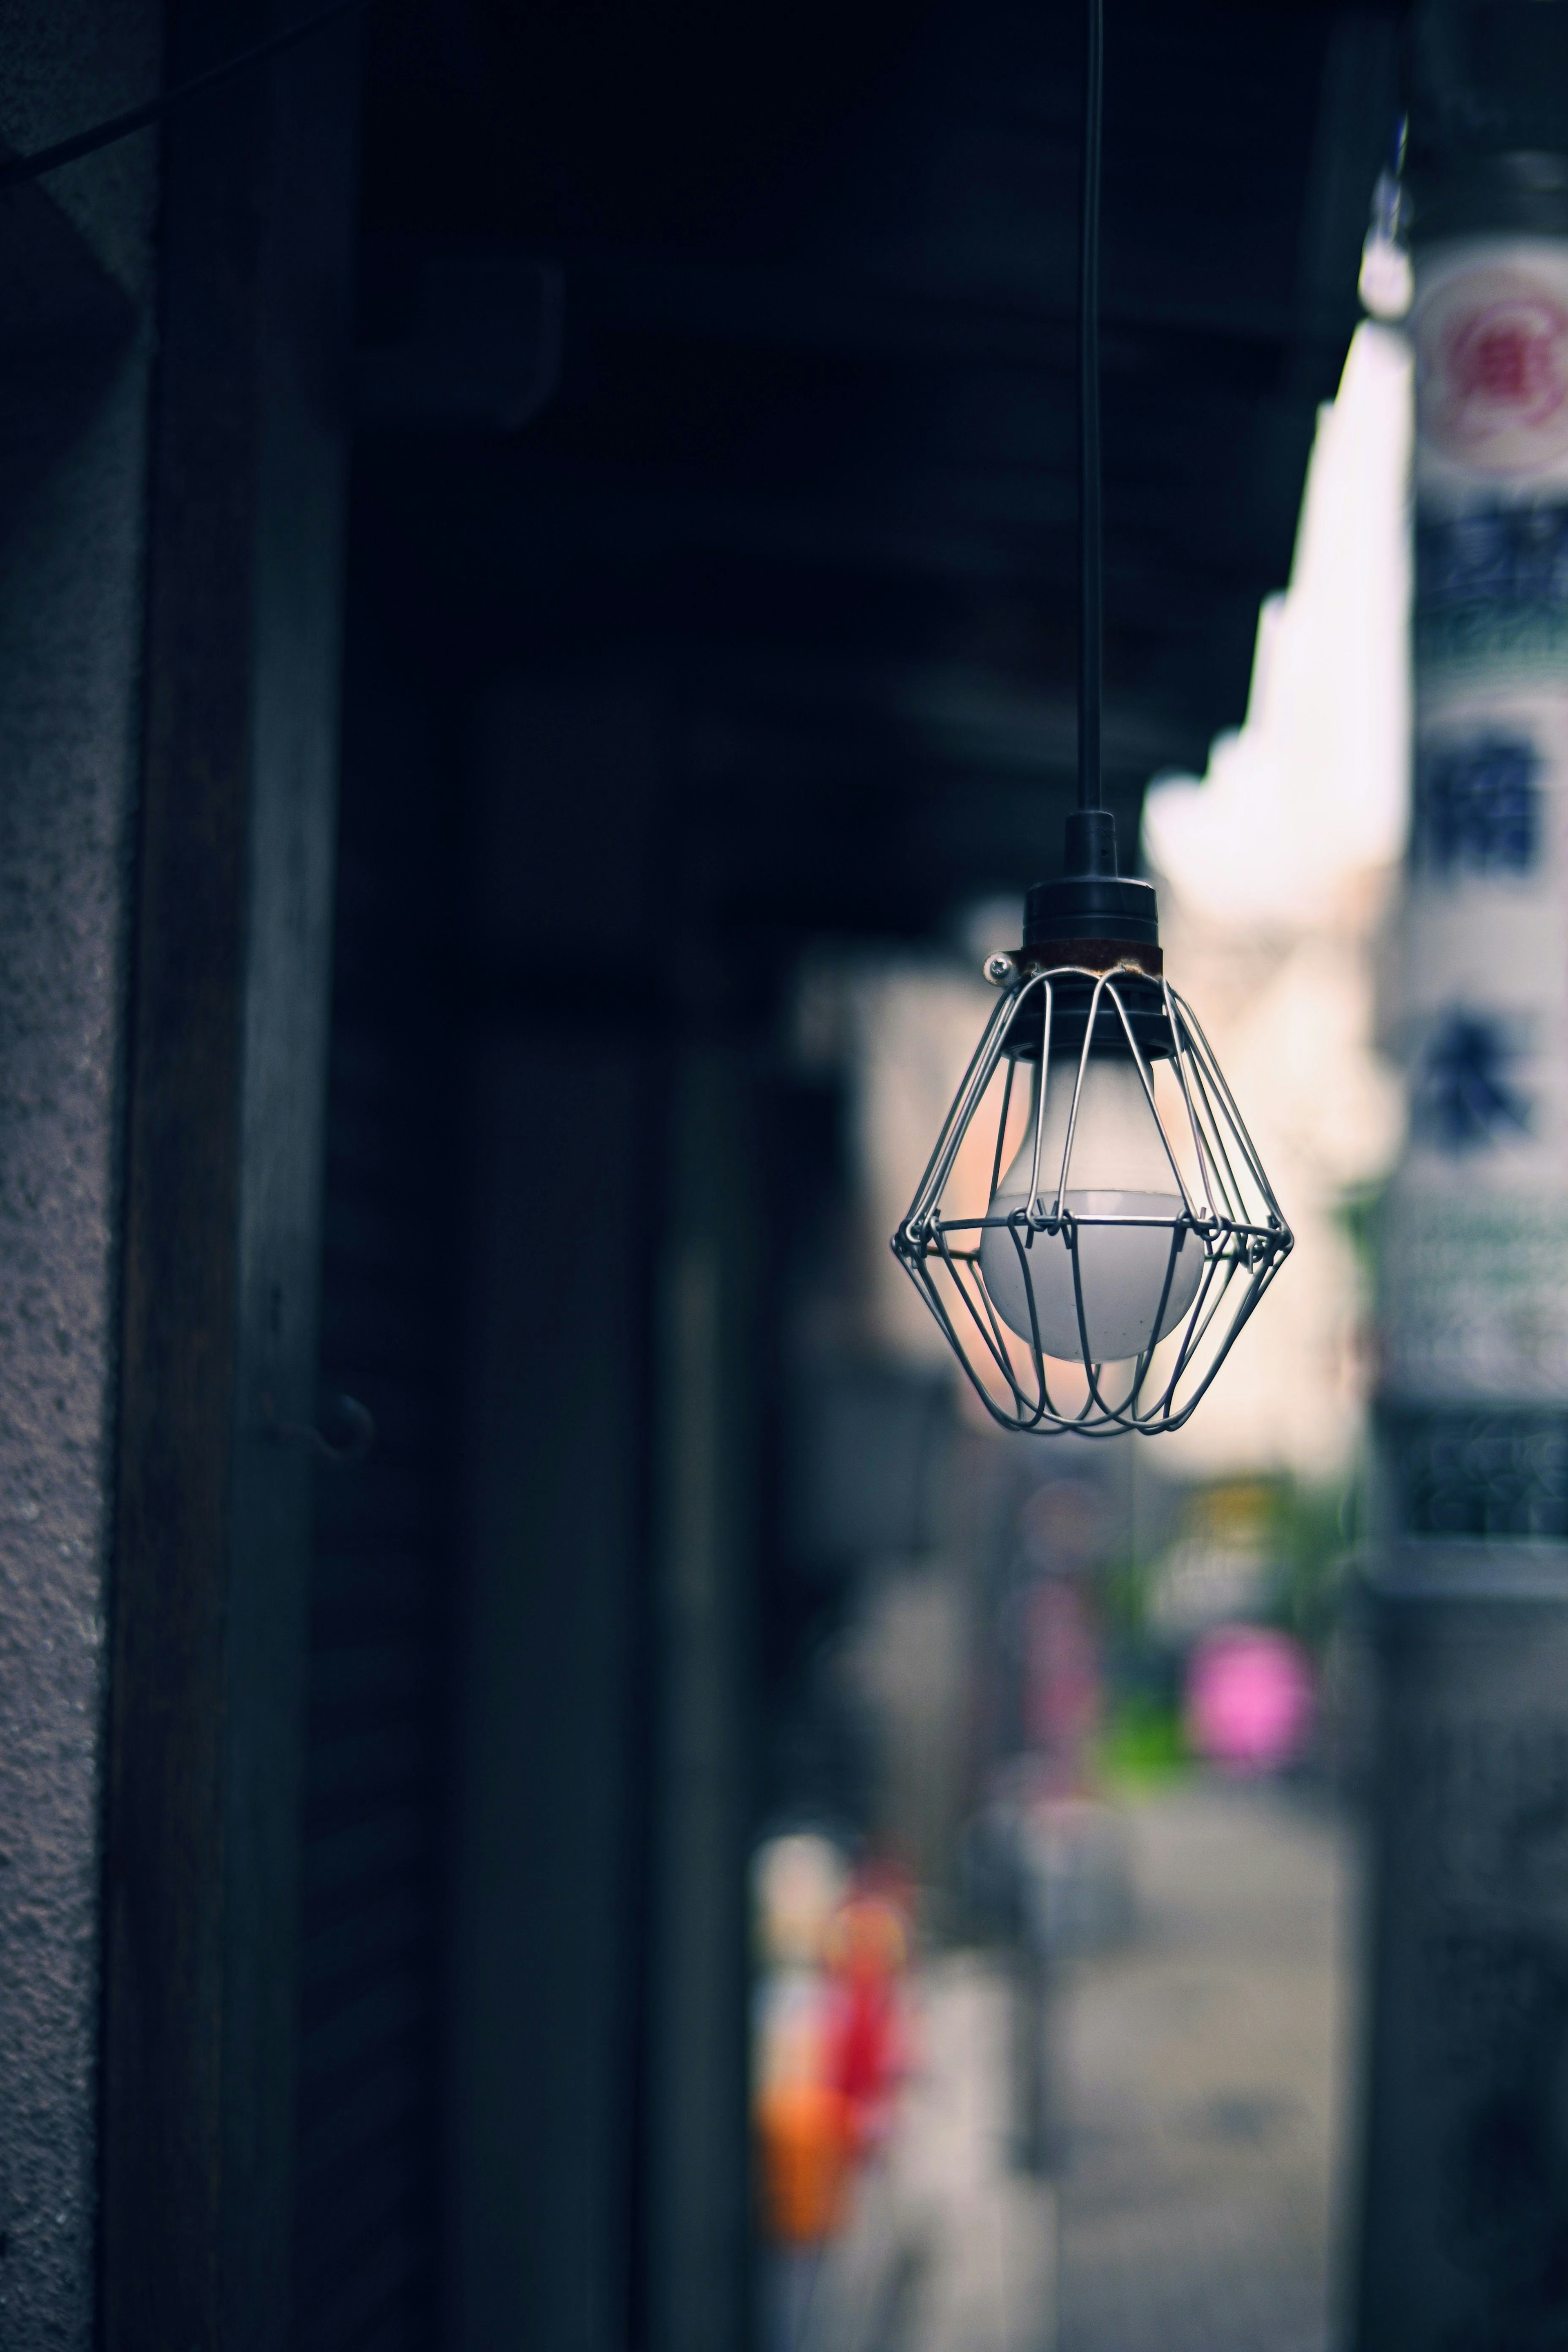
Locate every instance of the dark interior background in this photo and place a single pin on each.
(710, 595)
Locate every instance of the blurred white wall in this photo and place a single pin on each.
(1274, 873)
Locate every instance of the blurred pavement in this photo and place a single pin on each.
(1205, 2065)
(1199, 2077)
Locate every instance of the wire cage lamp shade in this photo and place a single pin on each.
(1094, 1226)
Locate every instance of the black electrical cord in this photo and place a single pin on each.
(1091, 620)
(120, 126)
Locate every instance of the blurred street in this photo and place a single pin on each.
(1199, 2077)
(1204, 2069)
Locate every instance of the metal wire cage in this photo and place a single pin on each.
(1092, 1240)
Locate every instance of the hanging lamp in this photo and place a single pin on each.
(1094, 1226)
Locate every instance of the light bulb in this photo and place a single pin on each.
(1120, 1168)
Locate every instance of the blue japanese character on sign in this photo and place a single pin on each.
(1465, 1096)
(1478, 806)
(1515, 555)
(1493, 580)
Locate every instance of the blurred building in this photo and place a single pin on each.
(1279, 871)
(522, 533)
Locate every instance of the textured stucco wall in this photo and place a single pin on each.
(71, 616)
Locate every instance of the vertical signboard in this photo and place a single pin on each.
(1465, 2223)
(1475, 1243)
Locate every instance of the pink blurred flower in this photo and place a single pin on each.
(1248, 1699)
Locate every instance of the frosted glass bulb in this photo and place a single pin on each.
(1120, 1168)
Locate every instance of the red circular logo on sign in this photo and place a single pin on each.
(1493, 372)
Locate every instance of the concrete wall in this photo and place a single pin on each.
(74, 328)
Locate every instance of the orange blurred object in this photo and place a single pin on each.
(829, 2044)
(805, 2130)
